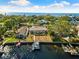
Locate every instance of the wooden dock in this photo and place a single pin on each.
(42, 38)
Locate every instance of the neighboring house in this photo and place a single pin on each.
(38, 30)
(22, 32)
(74, 20)
(77, 23)
(77, 28)
(9, 33)
(43, 21)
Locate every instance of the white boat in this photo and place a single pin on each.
(74, 52)
(65, 48)
(70, 49)
(1, 48)
(35, 46)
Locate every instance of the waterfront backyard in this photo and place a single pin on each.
(52, 28)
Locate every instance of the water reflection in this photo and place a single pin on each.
(46, 52)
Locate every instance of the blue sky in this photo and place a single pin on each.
(41, 6)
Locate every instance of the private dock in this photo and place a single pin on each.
(70, 49)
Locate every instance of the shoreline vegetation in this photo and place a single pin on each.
(46, 28)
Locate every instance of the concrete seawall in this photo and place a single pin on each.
(42, 43)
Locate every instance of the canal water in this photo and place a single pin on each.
(46, 52)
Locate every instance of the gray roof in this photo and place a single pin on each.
(77, 27)
(37, 28)
(43, 21)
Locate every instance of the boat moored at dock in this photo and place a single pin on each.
(35, 46)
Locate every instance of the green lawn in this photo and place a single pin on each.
(9, 40)
(12, 39)
(29, 39)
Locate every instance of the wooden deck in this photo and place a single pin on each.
(42, 38)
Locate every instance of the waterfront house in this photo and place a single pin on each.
(74, 20)
(38, 30)
(77, 28)
(39, 34)
(22, 32)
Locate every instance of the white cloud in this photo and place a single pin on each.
(65, 2)
(71, 10)
(20, 2)
(5, 8)
(75, 5)
(57, 7)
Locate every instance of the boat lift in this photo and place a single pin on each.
(35, 46)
